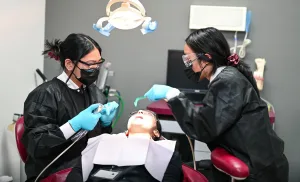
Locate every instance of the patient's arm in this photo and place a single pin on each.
(174, 170)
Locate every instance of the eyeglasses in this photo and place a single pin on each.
(92, 64)
(188, 59)
(146, 112)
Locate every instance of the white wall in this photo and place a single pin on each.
(22, 27)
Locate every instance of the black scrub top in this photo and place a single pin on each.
(234, 117)
(46, 108)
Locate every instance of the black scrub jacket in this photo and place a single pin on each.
(46, 108)
(234, 117)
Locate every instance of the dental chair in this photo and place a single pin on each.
(59, 176)
(224, 162)
(190, 175)
(230, 165)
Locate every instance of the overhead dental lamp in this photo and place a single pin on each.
(125, 17)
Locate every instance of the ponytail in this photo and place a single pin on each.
(244, 68)
(52, 49)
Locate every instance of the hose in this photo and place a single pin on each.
(121, 107)
(246, 41)
(192, 149)
(36, 180)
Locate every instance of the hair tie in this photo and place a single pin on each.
(53, 56)
(233, 60)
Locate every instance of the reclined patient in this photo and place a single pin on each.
(120, 157)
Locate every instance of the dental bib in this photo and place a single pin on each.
(125, 18)
(120, 150)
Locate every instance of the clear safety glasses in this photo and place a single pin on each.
(188, 59)
(146, 112)
(91, 64)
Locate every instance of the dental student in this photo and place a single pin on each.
(233, 116)
(57, 109)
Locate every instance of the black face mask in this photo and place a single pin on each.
(88, 76)
(191, 75)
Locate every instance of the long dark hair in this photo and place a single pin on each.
(74, 47)
(212, 41)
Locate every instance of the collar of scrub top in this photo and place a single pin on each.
(135, 3)
(64, 77)
(218, 71)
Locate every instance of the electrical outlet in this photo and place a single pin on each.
(111, 73)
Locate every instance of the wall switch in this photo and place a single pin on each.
(111, 73)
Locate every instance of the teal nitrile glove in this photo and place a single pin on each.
(86, 119)
(108, 113)
(157, 92)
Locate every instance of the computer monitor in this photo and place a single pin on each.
(176, 77)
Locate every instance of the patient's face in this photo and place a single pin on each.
(142, 121)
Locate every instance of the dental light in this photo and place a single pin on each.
(125, 18)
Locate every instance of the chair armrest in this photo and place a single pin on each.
(229, 164)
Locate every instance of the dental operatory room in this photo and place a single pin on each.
(150, 91)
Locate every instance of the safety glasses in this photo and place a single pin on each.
(188, 59)
(91, 64)
(146, 112)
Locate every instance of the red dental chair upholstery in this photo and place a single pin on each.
(59, 176)
(230, 165)
(191, 175)
(19, 130)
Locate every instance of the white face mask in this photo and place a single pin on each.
(125, 18)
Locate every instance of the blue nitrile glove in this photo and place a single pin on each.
(108, 112)
(86, 119)
(157, 92)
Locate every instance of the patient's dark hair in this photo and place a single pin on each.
(158, 126)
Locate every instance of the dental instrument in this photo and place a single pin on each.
(138, 99)
(82, 133)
